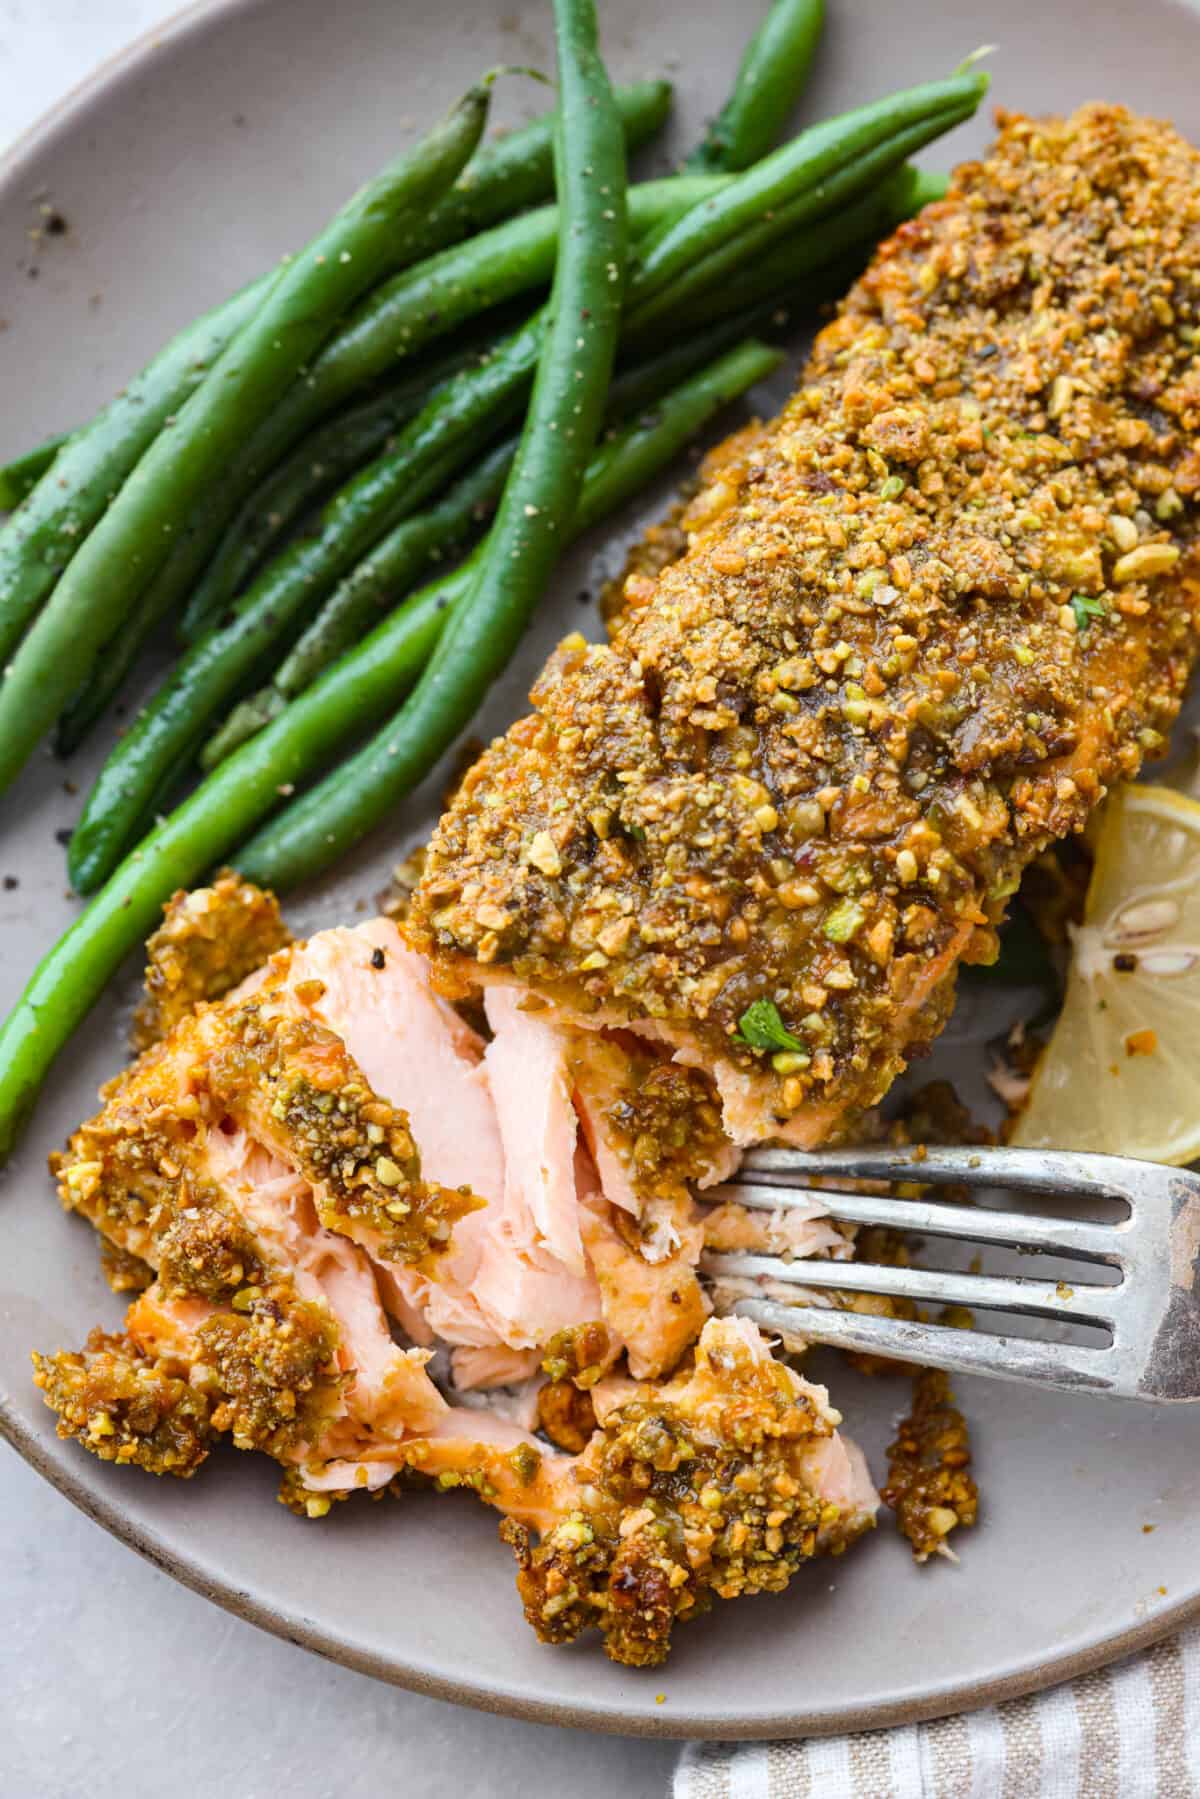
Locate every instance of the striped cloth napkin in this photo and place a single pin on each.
(1127, 1732)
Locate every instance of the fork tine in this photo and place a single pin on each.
(1015, 1230)
(1086, 1304)
(1022, 1170)
(1061, 1365)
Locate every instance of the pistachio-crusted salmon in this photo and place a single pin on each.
(272, 1206)
(210, 939)
(715, 888)
(922, 623)
(723, 1481)
(275, 1208)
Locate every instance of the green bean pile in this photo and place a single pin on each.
(276, 481)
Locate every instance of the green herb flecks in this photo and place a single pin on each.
(1086, 609)
(761, 1027)
(844, 921)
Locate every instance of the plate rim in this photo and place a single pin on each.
(197, 18)
(324, 1641)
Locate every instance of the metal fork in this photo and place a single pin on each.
(1152, 1312)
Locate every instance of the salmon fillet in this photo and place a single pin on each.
(278, 1201)
(918, 626)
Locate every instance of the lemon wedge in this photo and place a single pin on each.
(1122, 1070)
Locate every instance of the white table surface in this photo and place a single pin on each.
(113, 1679)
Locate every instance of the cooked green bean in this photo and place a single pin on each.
(403, 316)
(517, 170)
(640, 383)
(20, 476)
(824, 209)
(912, 189)
(349, 699)
(379, 581)
(313, 831)
(542, 491)
(429, 452)
(36, 545)
(820, 262)
(308, 295)
(769, 82)
(395, 561)
(467, 410)
(327, 454)
(798, 169)
(505, 177)
(331, 452)
(41, 537)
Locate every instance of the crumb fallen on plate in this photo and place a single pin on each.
(209, 941)
(929, 1484)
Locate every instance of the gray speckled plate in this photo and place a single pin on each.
(181, 170)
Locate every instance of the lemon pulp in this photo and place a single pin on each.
(1122, 1071)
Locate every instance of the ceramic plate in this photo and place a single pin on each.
(181, 170)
